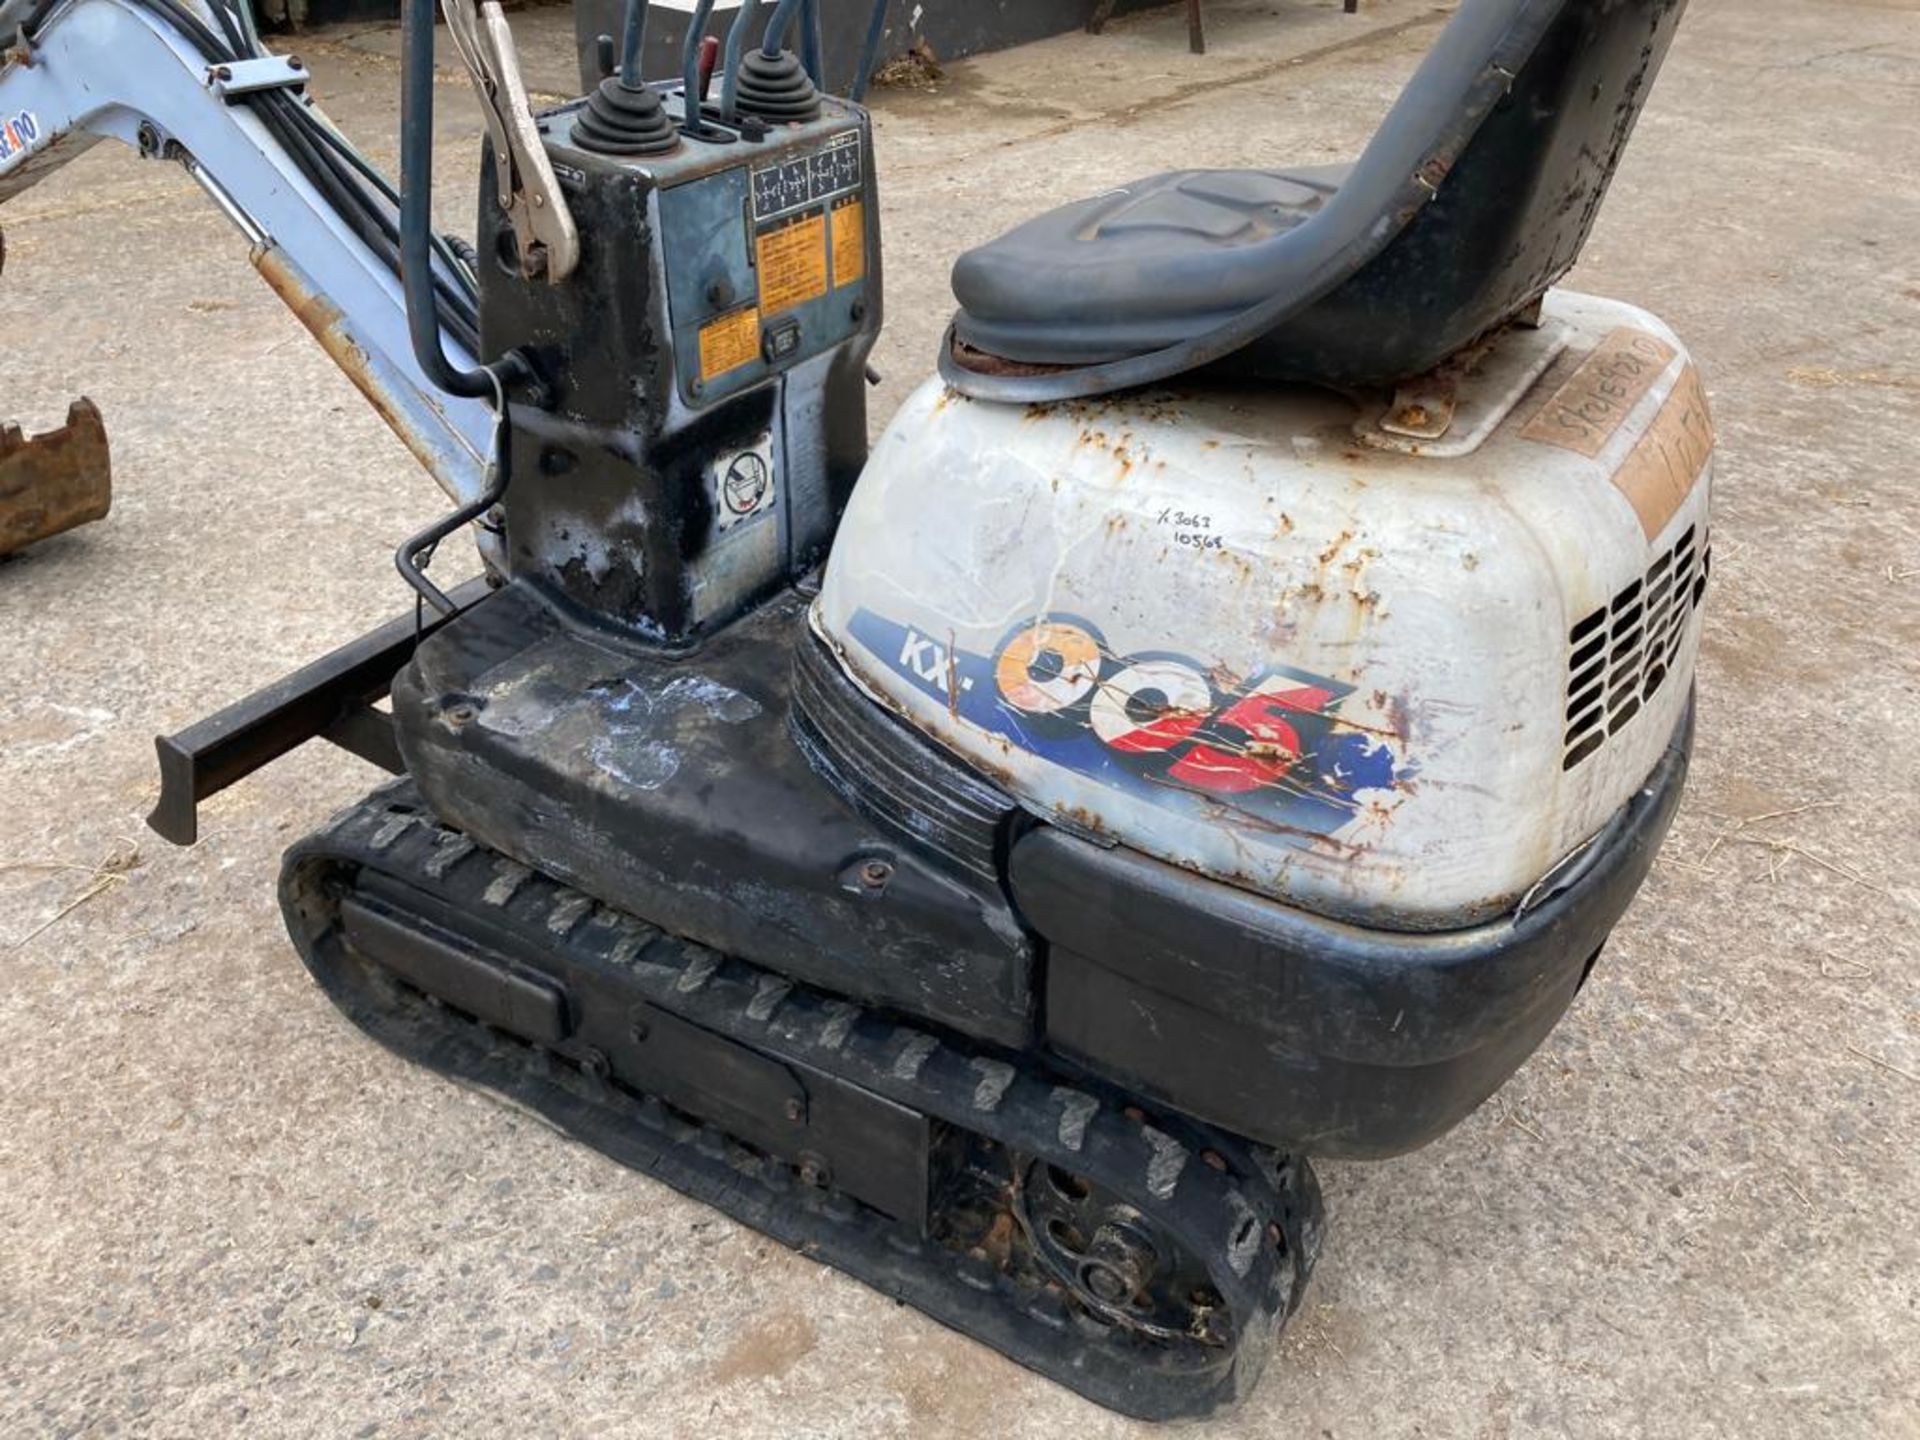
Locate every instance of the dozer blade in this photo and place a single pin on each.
(53, 482)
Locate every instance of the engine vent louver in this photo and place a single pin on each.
(1620, 655)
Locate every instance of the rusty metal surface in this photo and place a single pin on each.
(325, 322)
(53, 482)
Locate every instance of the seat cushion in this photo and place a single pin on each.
(1139, 267)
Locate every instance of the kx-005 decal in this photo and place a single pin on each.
(1153, 724)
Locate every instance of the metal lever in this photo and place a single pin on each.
(549, 241)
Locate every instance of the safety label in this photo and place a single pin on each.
(849, 241)
(743, 483)
(793, 263)
(729, 342)
(1587, 411)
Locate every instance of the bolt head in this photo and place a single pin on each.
(1108, 1283)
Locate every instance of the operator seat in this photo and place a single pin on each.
(1474, 196)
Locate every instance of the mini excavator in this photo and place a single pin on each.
(1215, 727)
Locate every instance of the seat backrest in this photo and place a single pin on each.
(1475, 194)
(1508, 219)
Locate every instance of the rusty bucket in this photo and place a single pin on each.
(53, 482)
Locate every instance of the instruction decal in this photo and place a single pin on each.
(1155, 724)
(793, 263)
(788, 185)
(849, 241)
(743, 484)
(729, 342)
(18, 135)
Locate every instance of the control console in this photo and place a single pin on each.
(704, 363)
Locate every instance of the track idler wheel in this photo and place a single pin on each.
(1117, 1264)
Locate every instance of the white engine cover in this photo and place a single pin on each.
(1269, 635)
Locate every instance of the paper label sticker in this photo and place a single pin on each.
(1589, 409)
(849, 242)
(1660, 471)
(729, 342)
(793, 264)
(743, 484)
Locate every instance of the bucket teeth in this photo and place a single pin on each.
(53, 482)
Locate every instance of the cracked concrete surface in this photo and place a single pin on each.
(1693, 1213)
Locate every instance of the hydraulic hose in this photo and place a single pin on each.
(775, 39)
(633, 35)
(416, 208)
(812, 49)
(869, 53)
(730, 62)
(338, 176)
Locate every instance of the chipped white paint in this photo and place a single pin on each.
(840, 1018)
(568, 911)
(1243, 1234)
(636, 746)
(698, 972)
(995, 1077)
(635, 937)
(1248, 530)
(508, 877)
(391, 829)
(1076, 1110)
(1169, 1159)
(451, 848)
(913, 1056)
(768, 992)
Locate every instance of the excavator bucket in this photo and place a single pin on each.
(53, 482)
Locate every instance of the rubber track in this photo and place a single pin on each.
(1250, 1215)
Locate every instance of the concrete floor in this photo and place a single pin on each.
(1694, 1213)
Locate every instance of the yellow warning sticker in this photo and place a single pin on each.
(1590, 408)
(729, 342)
(1660, 471)
(849, 242)
(793, 264)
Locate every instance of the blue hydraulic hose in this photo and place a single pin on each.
(730, 65)
(811, 49)
(869, 53)
(633, 36)
(416, 218)
(777, 28)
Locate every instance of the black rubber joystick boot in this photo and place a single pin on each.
(776, 88)
(619, 121)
